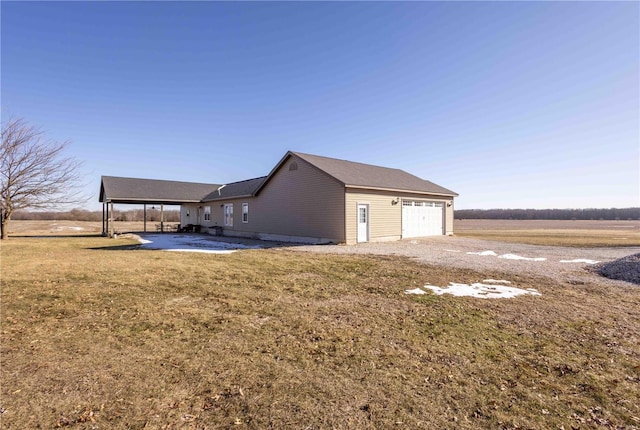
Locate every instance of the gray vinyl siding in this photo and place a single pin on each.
(385, 218)
(298, 203)
(306, 202)
(195, 214)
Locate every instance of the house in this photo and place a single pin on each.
(309, 198)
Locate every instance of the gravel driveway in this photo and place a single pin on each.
(564, 264)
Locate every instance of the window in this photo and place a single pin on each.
(362, 212)
(228, 214)
(207, 213)
(245, 212)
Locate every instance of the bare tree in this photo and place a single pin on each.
(34, 173)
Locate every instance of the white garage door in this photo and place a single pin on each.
(422, 218)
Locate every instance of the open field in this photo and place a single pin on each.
(553, 232)
(99, 334)
(73, 228)
(535, 232)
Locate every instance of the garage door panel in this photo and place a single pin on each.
(422, 218)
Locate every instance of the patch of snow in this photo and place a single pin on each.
(483, 253)
(415, 291)
(190, 243)
(580, 260)
(64, 228)
(478, 290)
(203, 251)
(496, 281)
(452, 250)
(519, 257)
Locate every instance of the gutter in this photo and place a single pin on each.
(396, 190)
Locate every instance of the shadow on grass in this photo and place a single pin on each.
(132, 247)
(56, 236)
(244, 244)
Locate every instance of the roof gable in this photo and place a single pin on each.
(360, 175)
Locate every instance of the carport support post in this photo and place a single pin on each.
(110, 220)
(161, 218)
(104, 231)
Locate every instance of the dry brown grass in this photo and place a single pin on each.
(95, 335)
(74, 228)
(555, 233)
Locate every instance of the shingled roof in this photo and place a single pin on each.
(245, 188)
(351, 174)
(152, 191)
(359, 175)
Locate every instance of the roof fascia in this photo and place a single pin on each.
(395, 190)
(132, 201)
(217, 199)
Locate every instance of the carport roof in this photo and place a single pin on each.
(152, 191)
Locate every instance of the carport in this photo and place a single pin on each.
(135, 191)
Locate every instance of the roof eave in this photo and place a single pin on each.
(217, 199)
(127, 200)
(397, 190)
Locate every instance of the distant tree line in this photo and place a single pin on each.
(85, 215)
(551, 214)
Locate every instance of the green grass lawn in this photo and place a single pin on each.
(97, 336)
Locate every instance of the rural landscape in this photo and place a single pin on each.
(101, 333)
(319, 215)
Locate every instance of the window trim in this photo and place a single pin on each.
(245, 213)
(228, 214)
(207, 213)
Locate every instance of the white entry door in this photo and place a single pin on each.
(363, 223)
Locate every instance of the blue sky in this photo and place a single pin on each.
(510, 104)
